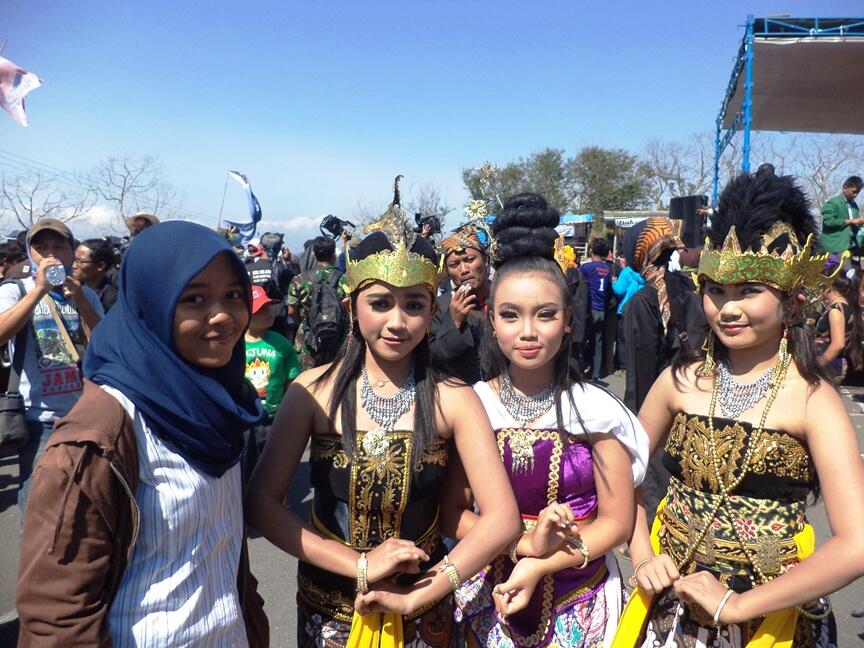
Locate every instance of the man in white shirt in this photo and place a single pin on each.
(51, 324)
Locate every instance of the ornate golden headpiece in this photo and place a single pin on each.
(398, 267)
(794, 267)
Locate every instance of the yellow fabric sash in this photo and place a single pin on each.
(376, 630)
(776, 630)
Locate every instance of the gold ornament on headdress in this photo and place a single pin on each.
(398, 267)
(476, 209)
(794, 268)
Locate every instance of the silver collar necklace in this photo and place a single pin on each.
(387, 410)
(735, 398)
(525, 408)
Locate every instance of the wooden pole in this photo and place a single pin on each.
(222, 206)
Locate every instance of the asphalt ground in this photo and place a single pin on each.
(276, 571)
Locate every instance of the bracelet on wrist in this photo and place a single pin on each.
(511, 551)
(720, 606)
(632, 580)
(577, 544)
(362, 574)
(452, 573)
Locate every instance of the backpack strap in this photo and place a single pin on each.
(20, 346)
(334, 277)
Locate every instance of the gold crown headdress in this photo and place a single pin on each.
(794, 267)
(398, 267)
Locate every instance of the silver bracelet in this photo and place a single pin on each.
(719, 609)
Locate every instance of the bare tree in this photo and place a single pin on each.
(823, 162)
(679, 167)
(27, 198)
(134, 184)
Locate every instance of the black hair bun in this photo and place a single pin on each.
(525, 228)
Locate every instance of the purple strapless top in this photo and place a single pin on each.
(555, 469)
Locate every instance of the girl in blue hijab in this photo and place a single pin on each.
(194, 398)
(137, 536)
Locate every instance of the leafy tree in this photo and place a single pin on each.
(542, 172)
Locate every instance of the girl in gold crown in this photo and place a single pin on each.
(382, 428)
(750, 429)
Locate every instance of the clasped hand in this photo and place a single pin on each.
(556, 524)
(393, 556)
(700, 588)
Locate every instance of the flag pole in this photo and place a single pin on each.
(224, 191)
(3, 46)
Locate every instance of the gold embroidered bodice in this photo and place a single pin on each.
(779, 467)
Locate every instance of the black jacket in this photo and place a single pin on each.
(648, 349)
(456, 351)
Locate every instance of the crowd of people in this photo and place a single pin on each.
(473, 477)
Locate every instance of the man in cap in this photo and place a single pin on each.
(457, 327)
(46, 327)
(271, 365)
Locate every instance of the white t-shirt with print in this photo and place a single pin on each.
(51, 381)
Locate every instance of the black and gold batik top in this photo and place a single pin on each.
(365, 499)
(763, 513)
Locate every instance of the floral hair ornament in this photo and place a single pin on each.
(793, 268)
(397, 266)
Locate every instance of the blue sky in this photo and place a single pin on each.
(321, 104)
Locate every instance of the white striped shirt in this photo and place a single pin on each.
(180, 587)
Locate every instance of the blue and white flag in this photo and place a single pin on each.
(246, 229)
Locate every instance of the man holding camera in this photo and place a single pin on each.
(458, 325)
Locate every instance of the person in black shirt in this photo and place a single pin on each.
(457, 327)
(94, 258)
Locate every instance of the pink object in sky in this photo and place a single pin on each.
(15, 83)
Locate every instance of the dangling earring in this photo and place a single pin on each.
(783, 355)
(709, 366)
(350, 325)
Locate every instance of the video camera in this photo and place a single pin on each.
(432, 222)
(333, 226)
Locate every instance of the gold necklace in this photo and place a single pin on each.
(723, 499)
(712, 445)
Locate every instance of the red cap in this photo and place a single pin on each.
(260, 298)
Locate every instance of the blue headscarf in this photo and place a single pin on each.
(201, 412)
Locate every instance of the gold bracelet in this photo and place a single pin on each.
(719, 609)
(512, 550)
(362, 577)
(577, 543)
(632, 580)
(452, 573)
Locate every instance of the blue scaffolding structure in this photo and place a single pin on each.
(759, 29)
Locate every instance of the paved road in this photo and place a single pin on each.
(276, 570)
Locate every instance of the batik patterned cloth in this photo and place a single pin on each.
(362, 500)
(432, 629)
(767, 512)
